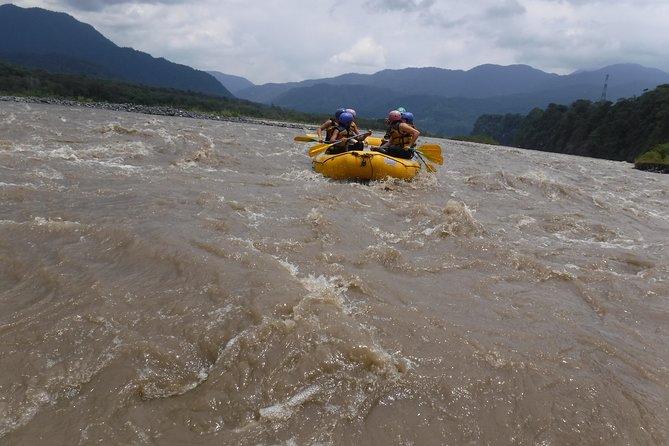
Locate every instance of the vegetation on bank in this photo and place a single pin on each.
(655, 159)
(20, 81)
(618, 131)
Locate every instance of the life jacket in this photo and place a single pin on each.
(354, 129)
(330, 128)
(345, 132)
(397, 137)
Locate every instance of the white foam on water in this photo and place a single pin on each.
(525, 221)
(28, 185)
(331, 289)
(49, 174)
(34, 400)
(57, 223)
(285, 410)
(606, 244)
(9, 118)
(63, 152)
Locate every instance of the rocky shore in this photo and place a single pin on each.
(151, 110)
(652, 167)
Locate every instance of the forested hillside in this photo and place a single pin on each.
(53, 41)
(618, 131)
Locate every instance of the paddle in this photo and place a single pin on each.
(432, 152)
(309, 137)
(430, 168)
(320, 148)
(306, 138)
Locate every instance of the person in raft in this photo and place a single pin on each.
(329, 126)
(386, 137)
(344, 130)
(401, 134)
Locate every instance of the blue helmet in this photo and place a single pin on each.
(402, 110)
(339, 112)
(408, 116)
(346, 118)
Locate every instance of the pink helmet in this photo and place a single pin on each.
(394, 116)
(351, 111)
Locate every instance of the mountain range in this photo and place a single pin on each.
(448, 102)
(445, 102)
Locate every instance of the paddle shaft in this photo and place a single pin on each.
(320, 148)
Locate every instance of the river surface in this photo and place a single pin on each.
(174, 281)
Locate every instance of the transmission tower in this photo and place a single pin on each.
(606, 85)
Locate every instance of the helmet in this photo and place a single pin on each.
(351, 111)
(402, 110)
(346, 118)
(408, 116)
(394, 116)
(339, 112)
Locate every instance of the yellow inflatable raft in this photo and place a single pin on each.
(362, 165)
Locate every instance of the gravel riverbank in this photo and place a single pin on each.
(152, 110)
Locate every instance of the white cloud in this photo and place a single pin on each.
(399, 5)
(365, 53)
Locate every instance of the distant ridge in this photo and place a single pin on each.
(448, 102)
(232, 82)
(484, 81)
(55, 41)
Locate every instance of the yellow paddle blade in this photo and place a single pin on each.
(432, 152)
(437, 160)
(319, 148)
(305, 138)
(374, 141)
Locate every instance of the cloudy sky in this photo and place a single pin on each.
(292, 40)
